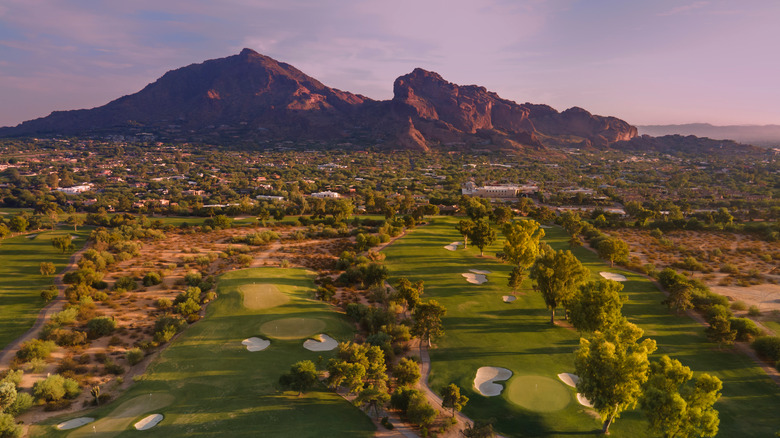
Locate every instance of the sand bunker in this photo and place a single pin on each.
(509, 298)
(321, 342)
(486, 376)
(32, 236)
(477, 271)
(74, 423)
(475, 278)
(584, 401)
(256, 344)
(569, 379)
(149, 422)
(262, 296)
(613, 276)
(452, 246)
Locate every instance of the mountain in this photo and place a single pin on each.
(251, 97)
(759, 135)
(688, 144)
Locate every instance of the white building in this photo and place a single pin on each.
(269, 198)
(502, 191)
(326, 194)
(74, 190)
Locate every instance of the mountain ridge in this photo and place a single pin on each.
(252, 97)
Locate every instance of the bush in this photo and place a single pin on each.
(717, 311)
(101, 326)
(738, 306)
(72, 388)
(127, 283)
(152, 279)
(13, 376)
(387, 424)
(66, 316)
(193, 278)
(23, 402)
(166, 327)
(112, 367)
(754, 311)
(164, 304)
(134, 356)
(746, 328)
(50, 293)
(8, 427)
(50, 389)
(35, 349)
(768, 347)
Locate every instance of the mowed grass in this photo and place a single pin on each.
(482, 330)
(21, 281)
(221, 389)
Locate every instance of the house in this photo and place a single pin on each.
(325, 194)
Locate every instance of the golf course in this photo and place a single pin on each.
(207, 383)
(481, 330)
(21, 281)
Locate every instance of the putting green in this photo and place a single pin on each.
(120, 418)
(538, 393)
(292, 328)
(262, 296)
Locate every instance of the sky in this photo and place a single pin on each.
(645, 61)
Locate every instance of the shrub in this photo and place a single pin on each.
(729, 268)
(35, 349)
(66, 316)
(134, 356)
(166, 327)
(112, 367)
(746, 328)
(72, 388)
(23, 402)
(127, 283)
(14, 376)
(407, 372)
(101, 326)
(163, 304)
(49, 389)
(387, 424)
(768, 347)
(193, 278)
(152, 279)
(717, 311)
(50, 293)
(8, 427)
(754, 311)
(738, 306)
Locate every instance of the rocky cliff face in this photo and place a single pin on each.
(251, 96)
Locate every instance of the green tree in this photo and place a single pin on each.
(373, 398)
(406, 372)
(7, 395)
(341, 208)
(464, 227)
(515, 278)
(427, 320)
(596, 306)
(76, 221)
(521, 247)
(502, 214)
(9, 428)
(47, 268)
(409, 294)
(18, 224)
(480, 429)
(63, 243)
(419, 411)
(612, 368)
(451, 398)
(720, 330)
(482, 235)
(557, 275)
(680, 296)
(678, 407)
(301, 378)
(613, 249)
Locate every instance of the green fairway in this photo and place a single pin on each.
(121, 418)
(221, 389)
(538, 393)
(21, 281)
(482, 330)
(263, 296)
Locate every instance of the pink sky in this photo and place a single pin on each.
(646, 61)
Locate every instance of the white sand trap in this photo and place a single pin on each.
(486, 378)
(544, 226)
(148, 422)
(613, 276)
(32, 236)
(475, 278)
(477, 271)
(452, 246)
(256, 344)
(569, 379)
(322, 342)
(509, 298)
(73, 237)
(584, 401)
(74, 423)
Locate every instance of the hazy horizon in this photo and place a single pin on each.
(647, 62)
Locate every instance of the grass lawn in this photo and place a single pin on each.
(21, 281)
(482, 330)
(218, 388)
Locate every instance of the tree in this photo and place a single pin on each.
(341, 208)
(9, 428)
(343, 373)
(482, 235)
(451, 398)
(596, 306)
(47, 268)
(374, 397)
(557, 275)
(515, 278)
(419, 411)
(613, 249)
(720, 330)
(302, 376)
(7, 395)
(464, 227)
(680, 296)
(18, 224)
(427, 320)
(63, 243)
(521, 247)
(677, 407)
(612, 368)
(406, 372)
(502, 214)
(408, 294)
(480, 429)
